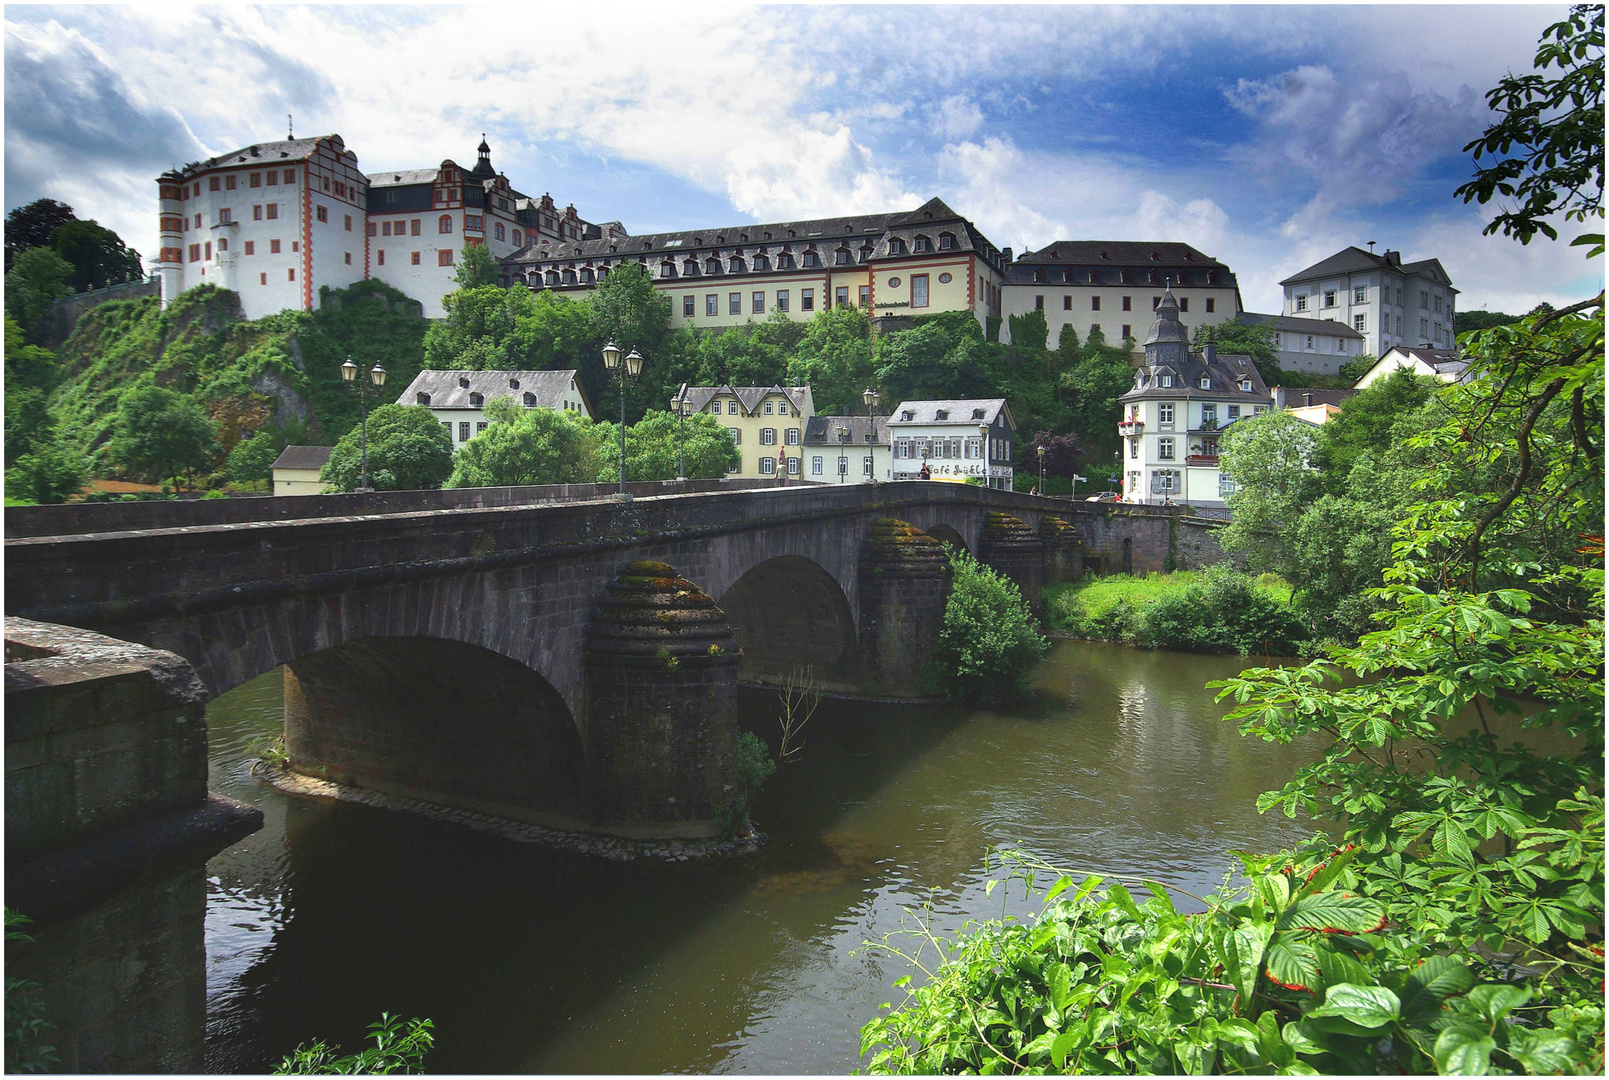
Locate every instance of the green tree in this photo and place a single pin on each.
(476, 266)
(48, 472)
(989, 643)
(527, 446)
(97, 255)
(1368, 422)
(162, 433)
(409, 449)
(1270, 458)
(252, 460)
(37, 279)
(31, 226)
(1546, 149)
(478, 331)
(834, 359)
(652, 448)
(1255, 340)
(28, 365)
(1099, 374)
(1029, 331)
(628, 310)
(1465, 321)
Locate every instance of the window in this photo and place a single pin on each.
(195, 252)
(1360, 294)
(918, 290)
(348, 258)
(206, 253)
(264, 278)
(1206, 383)
(1360, 323)
(1134, 448)
(737, 435)
(273, 211)
(1329, 297)
(815, 465)
(257, 213)
(757, 303)
(768, 436)
(198, 221)
(463, 431)
(896, 246)
(321, 213)
(414, 261)
(734, 304)
(444, 224)
(1128, 303)
(251, 247)
(480, 426)
(866, 465)
(840, 296)
(256, 180)
(782, 299)
(1039, 303)
(1245, 385)
(791, 436)
(212, 183)
(348, 222)
(1164, 413)
(712, 304)
(761, 262)
(1128, 330)
(1301, 303)
(273, 247)
(1164, 449)
(498, 231)
(1438, 305)
(946, 241)
(1212, 305)
(444, 257)
(1166, 380)
(1156, 302)
(1067, 303)
(379, 257)
(1184, 303)
(1424, 300)
(770, 408)
(226, 216)
(922, 244)
(807, 299)
(768, 466)
(687, 307)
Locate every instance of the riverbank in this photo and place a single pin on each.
(1218, 610)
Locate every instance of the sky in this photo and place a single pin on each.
(1267, 136)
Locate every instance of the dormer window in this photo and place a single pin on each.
(1245, 384)
(762, 262)
(712, 266)
(421, 398)
(946, 241)
(811, 259)
(922, 244)
(513, 384)
(977, 414)
(530, 400)
(942, 414)
(463, 382)
(476, 401)
(841, 257)
(1126, 277)
(1206, 383)
(1165, 380)
(667, 270)
(737, 265)
(907, 415)
(896, 246)
(785, 261)
(866, 253)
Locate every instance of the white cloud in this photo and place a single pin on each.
(956, 117)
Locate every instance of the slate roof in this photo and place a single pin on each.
(1441, 361)
(863, 430)
(266, 153)
(825, 234)
(1353, 260)
(1295, 397)
(1226, 371)
(1298, 325)
(698, 397)
(447, 389)
(303, 457)
(960, 410)
(397, 177)
(1121, 253)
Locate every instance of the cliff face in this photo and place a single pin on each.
(282, 371)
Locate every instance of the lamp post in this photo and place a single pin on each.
(678, 405)
(627, 371)
(349, 374)
(988, 472)
(871, 398)
(843, 452)
(1041, 468)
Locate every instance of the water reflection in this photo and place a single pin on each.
(535, 961)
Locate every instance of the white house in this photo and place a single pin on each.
(847, 450)
(1171, 419)
(1319, 346)
(297, 467)
(458, 398)
(1387, 301)
(1444, 364)
(956, 440)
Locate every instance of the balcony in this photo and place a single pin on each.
(1210, 460)
(1209, 423)
(1130, 427)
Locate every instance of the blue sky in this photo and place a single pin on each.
(1269, 136)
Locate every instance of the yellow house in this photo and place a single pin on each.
(767, 422)
(296, 470)
(915, 262)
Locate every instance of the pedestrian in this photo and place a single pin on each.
(926, 473)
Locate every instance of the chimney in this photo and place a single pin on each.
(1005, 255)
(1393, 257)
(1307, 400)
(1210, 353)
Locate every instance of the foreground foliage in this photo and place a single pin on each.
(26, 1026)
(399, 1047)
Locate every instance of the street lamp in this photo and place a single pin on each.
(678, 405)
(988, 472)
(1041, 468)
(871, 398)
(843, 452)
(627, 372)
(349, 373)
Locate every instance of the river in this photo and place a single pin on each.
(529, 960)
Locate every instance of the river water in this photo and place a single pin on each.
(529, 960)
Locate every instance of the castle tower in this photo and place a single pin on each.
(1167, 343)
(170, 257)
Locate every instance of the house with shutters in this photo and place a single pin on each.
(458, 398)
(1170, 423)
(958, 440)
(847, 450)
(767, 422)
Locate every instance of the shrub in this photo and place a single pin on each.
(753, 767)
(989, 642)
(398, 1048)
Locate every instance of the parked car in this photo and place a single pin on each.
(1105, 496)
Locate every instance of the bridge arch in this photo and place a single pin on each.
(437, 720)
(788, 612)
(949, 537)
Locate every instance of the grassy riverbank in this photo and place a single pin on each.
(1215, 610)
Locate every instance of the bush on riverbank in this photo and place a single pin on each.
(990, 641)
(1215, 610)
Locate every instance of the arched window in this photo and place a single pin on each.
(476, 400)
(421, 398)
(444, 224)
(513, 384)
(497, 230)
(530, 400)
(463, 382)
(519, 238)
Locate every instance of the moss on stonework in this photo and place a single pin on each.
(652, 569)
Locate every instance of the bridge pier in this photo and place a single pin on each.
(661, 724)
(904, 582)
(1010, 546)
(1064, 550)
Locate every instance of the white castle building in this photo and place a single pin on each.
(277, 221)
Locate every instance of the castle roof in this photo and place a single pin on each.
(1297, 325)
(267, 153)
(451, 389)
(1121, 253)
(1353, 260)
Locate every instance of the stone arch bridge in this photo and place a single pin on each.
(572, 663)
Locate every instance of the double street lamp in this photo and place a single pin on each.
(988, 471)
(678, 405)
(627, 371)
(1041, 469)
(349, 374)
